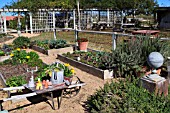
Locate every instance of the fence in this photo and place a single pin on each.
(98, 40)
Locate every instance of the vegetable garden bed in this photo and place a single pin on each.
(53, 52)
(8, 71)
(104, 74)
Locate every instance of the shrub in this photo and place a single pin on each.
(130, 57)
(57, 44)
(127, 97)
(21, 42)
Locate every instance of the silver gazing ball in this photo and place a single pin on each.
(155, 60)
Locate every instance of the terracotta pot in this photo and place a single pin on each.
(83, 46)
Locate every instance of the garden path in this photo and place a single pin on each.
(72, 105)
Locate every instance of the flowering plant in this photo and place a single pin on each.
(21, 56)
(82, 40)
(68, 70)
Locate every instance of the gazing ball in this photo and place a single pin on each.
(155, 60)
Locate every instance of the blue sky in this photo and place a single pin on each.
(160, 2)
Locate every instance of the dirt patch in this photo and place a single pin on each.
(14, 70)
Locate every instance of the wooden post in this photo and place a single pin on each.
(19, 24)
(78, 9)
(168, 67)
(1, 21)
(26, 26)
(114, 41)
(108, 18)
(31, 23)
(53, 20)
(74, 19)
(5, 29)
(55, 34)
(76, 37)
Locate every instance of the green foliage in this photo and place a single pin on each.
(55, 44)
(126, 97)
(21, 56)
(130, 57)
(51, 44)
(2, 53)
(15, 81)
(13, 24)
(142, 6)
(43, 44)
(21, 42)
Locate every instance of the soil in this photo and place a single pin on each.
(72, 105)
(14, 70)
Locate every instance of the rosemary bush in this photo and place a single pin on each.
(127, 97)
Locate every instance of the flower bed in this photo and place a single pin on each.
(94, 67)
(17, 65)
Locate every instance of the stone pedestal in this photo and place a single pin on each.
(160, 87)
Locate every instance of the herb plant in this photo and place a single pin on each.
(126, 96)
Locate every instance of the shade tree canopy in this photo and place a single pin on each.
(140, 6)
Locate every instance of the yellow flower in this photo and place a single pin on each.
(67, 64)
(11, 54)
(72, 70)
(27, 57)
(18, 49)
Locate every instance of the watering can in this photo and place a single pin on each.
(57, 77)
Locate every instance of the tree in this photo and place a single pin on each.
(141, 6)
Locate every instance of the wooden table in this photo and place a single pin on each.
(146, 32)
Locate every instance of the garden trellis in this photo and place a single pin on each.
(48, 19)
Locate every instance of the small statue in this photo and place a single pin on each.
(39, 85)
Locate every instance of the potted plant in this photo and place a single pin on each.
(83, 43)
(68, 73)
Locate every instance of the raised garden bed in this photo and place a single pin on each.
(53, 52)
(104, 74)
(7, 71)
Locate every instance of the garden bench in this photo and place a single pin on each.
(61, 90)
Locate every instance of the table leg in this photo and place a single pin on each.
(51, 97)
(1, 107)
(52, 100)
(59, 99)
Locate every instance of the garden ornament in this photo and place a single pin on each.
(155, 60)
(31, 81)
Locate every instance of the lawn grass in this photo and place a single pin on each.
(96, 41)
